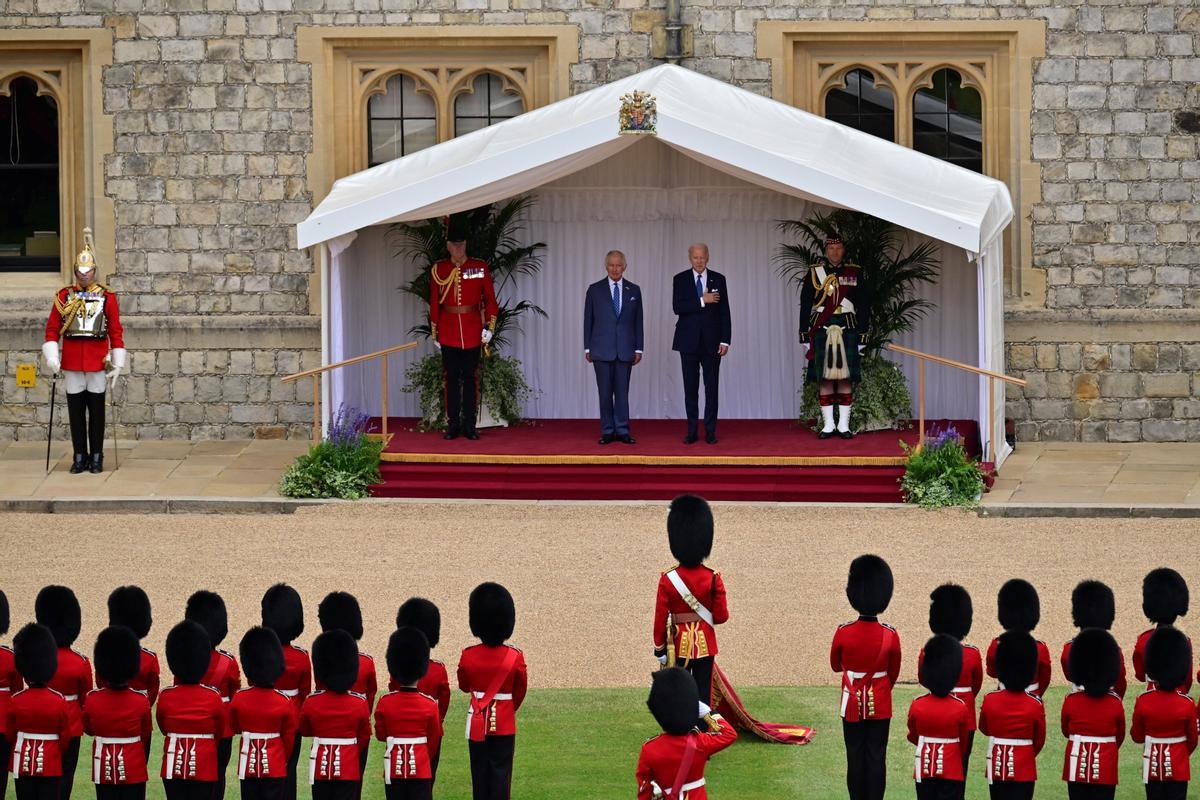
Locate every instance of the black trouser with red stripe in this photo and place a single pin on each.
(461, 365)
(866, 758)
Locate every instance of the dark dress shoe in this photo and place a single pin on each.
(80, 464)
(711, 438)
(97, 464)
(473, 435)
(689, 439)
(607, 438)
(628, 439)
(450, 434)
(846, 434)
(824, 434)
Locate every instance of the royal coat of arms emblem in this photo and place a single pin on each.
(639, 114)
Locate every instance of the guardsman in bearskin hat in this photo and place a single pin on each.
(835, 313)
(950, 612)
(265, 717)
(117, 717)
(57, 608)
(10, 683)
(1092, 606)
(1164, 600)
(408, 721)
(1164, 719)
(283, 612)
(938, 722)
(1093, 720)
(462, 319)
(40, 720)
(340, 611)
(337, 719)
(691, 598)
(129, 606)
(867, 653)
(422, 614)
(1014, 720)
(191, 716)
(671, 765)
(1019, 609)
(493, 674)
(87, 319)
(208, 609)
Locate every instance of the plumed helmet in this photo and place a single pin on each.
(4, 618)
(340, 610)
(1168, 658)
(85, 261)
(36, 654)
(491, 613)
(188, 652)
(1093, 605)
(869, 587)
(283, 612)
(335, 660)
(674, 700)
(129, 606)
(407, 655)
(690, 529)
(1164, 596)
(1016, 659)
(950, 610)
(1095, 661)
(118, 656)
(261, 655)
(57, 608)
(422, 614)
(941, 665)
(1018, 606)
(208, 609)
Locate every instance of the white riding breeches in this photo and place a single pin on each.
(77, 382)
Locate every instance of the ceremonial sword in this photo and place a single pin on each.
(50, 427)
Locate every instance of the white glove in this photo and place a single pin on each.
(486, 336)
(50, 354)
(803, 350)
(116, 360)
(704, 709)
(861, 347)
(437, 344)
(662, 659)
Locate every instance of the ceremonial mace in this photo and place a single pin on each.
(50, 427)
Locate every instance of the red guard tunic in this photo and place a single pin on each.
(147, 679)
(224, 676)
(477, 669)
(85, 354)
(436, 684)
(296, 680)
(192, 717)
(462, 302)
(1139, 662)
(1095, 728)
(658, 765)
(366, 684)
(119, 721)
(1119, 687)
(409, 722)
(694, 637)
(867, 653)
(10, 682)
(1165, 724)
(340, 726)
(1042, 682)
(1015, 722)
(970, 680)
(267, 721)
(938, 727)
(73, 680)
(38, 725)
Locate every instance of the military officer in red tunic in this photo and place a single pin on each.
(1164, 719)
(87, 319)
(1164, 600)
(57, 608)
(462, 319)
(283, 612)
(117, 717)
(1014, 721)
(1093, 720)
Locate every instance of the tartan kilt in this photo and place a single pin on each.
(816, 367)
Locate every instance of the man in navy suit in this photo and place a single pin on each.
(701, 299)
(612, 341)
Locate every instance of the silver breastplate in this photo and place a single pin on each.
(91, 322)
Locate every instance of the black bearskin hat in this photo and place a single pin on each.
(208, 609)
(1164, 596)
(36, 654)
(690, 529)
(1093, 605)
(950, 610)
(422, 614)
(188, 652)
(129, 606)
(335, 660)
(458, 227)
(1018, 606)
(491, 613)
(1095, 661)
(1168, 658)
(340, 611)
(407, 655)
(1016, 660)
(869, 587)
(674, 700)
(57, 608)
(941, 665)
(283, 612)
(261, 656)
(4, 619)
(118, 655)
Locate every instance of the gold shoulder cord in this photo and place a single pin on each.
(73, 306)
(447, 283)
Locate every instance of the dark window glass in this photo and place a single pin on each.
(29, 212)
(863, 105)
(400, 121)
(948, 121)
(487, 103)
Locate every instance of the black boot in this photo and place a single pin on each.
(77, 414)
(80, 464)
(95, 404)
(97, 464)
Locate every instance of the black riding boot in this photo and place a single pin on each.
(77, 414)
(95, 403)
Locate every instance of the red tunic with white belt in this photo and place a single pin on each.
(408, 722)
(1042, 679)
(1015, 723)
(296, 680)
(267, 721)
(1139, 661)
(1164, 722)
(340, 726)
(661, 757)
(1095, 728)
(366, 684)
(73, 680)
(224, 676)
(119, 722)
(938, 727)
(694, 636)
(84, 353)
(192, 717)
(435, 683)
(867, 653)
(1119, 687)
(478, 669)
(462, 302)
(148, 677)
(970, 680)
(38, 724)
(10, 682)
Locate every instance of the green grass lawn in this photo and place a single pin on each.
(584, 743)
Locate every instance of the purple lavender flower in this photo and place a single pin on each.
(347, 426)
(940, 437)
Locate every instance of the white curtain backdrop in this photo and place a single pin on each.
(651, 202)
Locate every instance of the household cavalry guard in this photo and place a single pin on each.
(86, 319)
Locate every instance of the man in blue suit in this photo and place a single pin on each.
(612, 341)
(701, 299)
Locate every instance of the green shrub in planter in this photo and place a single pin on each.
(343, 465)
(504, 389)
(881, 400)
(941, 474)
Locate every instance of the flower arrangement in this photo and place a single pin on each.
(941, 474)
(343, 465)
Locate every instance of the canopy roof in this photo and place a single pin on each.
(754, 138)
